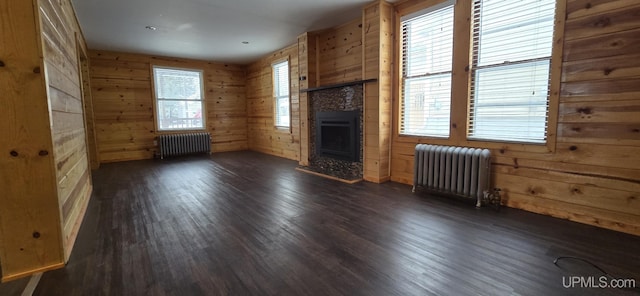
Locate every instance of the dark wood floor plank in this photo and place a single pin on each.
(244, 223)
(14, 287)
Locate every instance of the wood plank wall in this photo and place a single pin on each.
(307, 70)
(123, 99)
(30, 228)
(263, 135)
(377, 64)
(92, 145)
(339, 54)
(593, 176)
(59, 29)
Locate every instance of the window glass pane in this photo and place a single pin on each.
(281, 94)
(282, 75)
(427, 49)
(514, 32)
(512, 42)
(174, 114)
(282, 116)
(177, 84)
(179, 99)
(427, 106)
(511, 102)
(429, 43)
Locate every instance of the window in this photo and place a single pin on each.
(512, 42)
(179, 99)
(281, 94)
(427, 49)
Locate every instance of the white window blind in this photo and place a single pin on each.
(281, 94)
(427, 49)
(512, 43)
(179, 100)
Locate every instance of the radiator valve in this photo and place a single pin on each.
(492, 198)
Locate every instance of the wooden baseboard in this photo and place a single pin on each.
(15, 276)
(377, 180)
(329, 177)
(385, 179)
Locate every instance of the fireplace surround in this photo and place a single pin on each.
(342, 109)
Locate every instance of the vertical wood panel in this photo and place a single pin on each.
(28, 195)
(62, 58)
(339, 53)
(378, 26)
(307, 70)
(87, 98)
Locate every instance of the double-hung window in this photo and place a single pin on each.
(281, 94)
(511, 54)
(179, 99)
(427, 59)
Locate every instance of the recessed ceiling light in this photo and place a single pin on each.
(152, 28)
(245, 42)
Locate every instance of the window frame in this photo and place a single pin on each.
(275, 93)
(156, 99)
(426, 76)
(462, 55)
(477, 69)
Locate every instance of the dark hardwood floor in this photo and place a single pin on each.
(15, 287)
(245, 223)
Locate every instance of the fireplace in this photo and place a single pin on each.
(338, 135)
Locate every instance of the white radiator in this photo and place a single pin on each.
(454, 170)
(180, 144)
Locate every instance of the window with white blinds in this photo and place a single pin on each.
(427, 50)
(281, 94)
(512, 43)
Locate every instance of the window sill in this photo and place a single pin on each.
(282, 129)
(492, 145)
(175, 131)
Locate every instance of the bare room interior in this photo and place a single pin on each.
(320, 147)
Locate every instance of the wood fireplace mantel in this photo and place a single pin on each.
(338, 85)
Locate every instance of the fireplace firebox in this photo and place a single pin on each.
(338, 135)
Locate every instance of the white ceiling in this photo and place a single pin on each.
(211, 30)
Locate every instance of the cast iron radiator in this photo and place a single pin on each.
(180, 144)
(454, 170)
